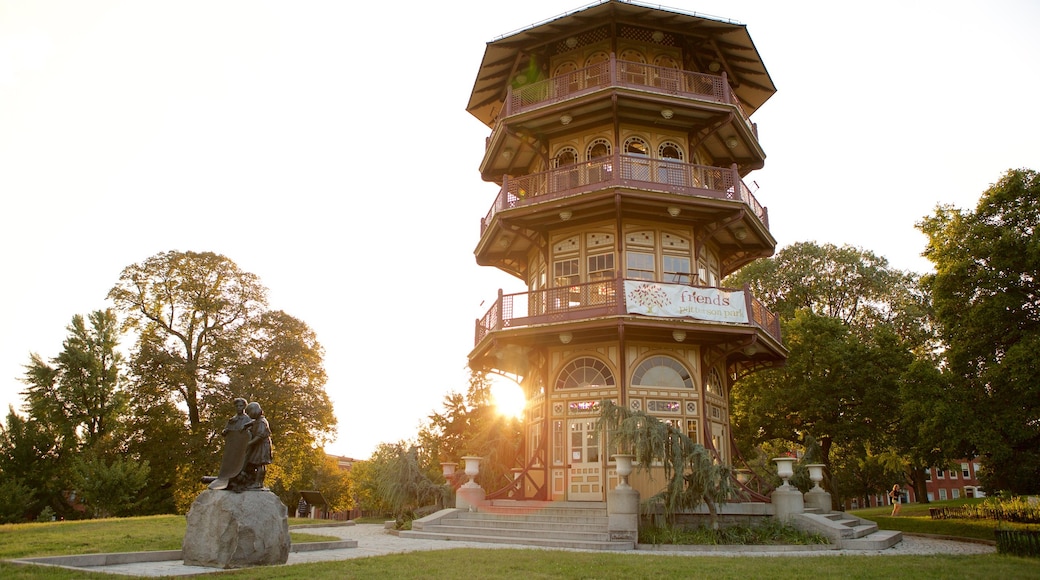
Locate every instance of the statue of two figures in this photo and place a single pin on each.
(247, 449)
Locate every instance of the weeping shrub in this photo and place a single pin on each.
(692, 475)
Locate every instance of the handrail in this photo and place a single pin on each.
(587, 300)
(629, 74)
(617, 170)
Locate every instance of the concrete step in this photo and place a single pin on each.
(879, 540)
(535, 519)
(520, 533)
(581, 525)
(526, 524)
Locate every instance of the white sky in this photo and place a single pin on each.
(325, 147)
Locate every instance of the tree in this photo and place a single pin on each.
(691, 473)
(81, 396)
(32, 453)
(853, 326)
(205, 336)
(190, 309)
(108, 488)
(986, 291)
(396, 483)
(471, 425)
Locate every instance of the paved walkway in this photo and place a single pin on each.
(373, 540)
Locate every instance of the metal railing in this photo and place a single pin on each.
(623, 73)
(588, 300)
(666, 175)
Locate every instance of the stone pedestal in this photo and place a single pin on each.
(819, 499)
(236, 530)
(623, 514)
(470, 497)
(787, 501)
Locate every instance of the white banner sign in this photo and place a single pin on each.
(675, 300)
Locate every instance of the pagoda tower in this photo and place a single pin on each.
(621, 139)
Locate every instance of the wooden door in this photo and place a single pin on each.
(585, 469)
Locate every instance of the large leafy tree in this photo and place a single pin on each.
(190, 309)
(205, 336)
(853, 326)
(986, 291)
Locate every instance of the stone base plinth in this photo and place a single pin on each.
(819, 499)
(470, 497)
(787, 500)
(623, 514)
(236, 530)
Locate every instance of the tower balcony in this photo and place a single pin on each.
(704, 106)
(659, 80)
(595, 312)
(629, 171)
(713, 199)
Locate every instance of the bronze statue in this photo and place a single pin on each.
(259, 452)
(247, 450)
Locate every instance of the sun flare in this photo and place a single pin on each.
(507, 396)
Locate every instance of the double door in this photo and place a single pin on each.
(585, 471)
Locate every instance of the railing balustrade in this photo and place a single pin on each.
(587, 300)
(623, 73)
(620, 170)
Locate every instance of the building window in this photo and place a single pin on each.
(953, 474)
(601, 267)
(956, 493)
(931, 496)
(636, 165)
(557, 442)
(598, 148)
(964, 471)
(928, 474)
(691, 431)
(941, 473)
(707, 267)
(662, 371)
(942, 494)
(585, 372)
(713, 384)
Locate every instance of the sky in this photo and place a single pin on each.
(325, 147)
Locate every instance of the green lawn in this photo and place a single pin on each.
(104, 536)
(914, 519)
(165, 533)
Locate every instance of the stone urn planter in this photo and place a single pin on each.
(624, 469)
(785, 469)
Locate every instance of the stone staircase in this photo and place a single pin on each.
(846, 531)
(577, 525)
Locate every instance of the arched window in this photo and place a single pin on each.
(585, 372)
(638, 169)
(565, 174)
(667, 76)
(636, 146)
(633, 66)
(671, 173)
(598, 148)
(662, 371)
(567, 80)
(669, 150)
(596, 69)
(564, 157)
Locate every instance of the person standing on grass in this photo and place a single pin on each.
(895, 496)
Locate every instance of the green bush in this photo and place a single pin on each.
(1002, 509)
(768, 532)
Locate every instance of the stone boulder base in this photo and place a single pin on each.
(236, 530)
